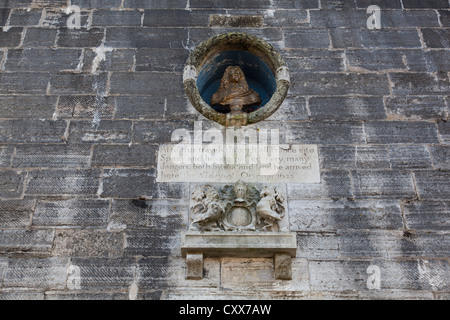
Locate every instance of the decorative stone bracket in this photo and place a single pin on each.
(281, 246)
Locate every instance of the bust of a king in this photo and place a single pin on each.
(234, 92)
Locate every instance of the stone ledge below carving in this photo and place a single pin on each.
(239, 244)
(281, 246)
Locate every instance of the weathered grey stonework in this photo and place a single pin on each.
(83, 113)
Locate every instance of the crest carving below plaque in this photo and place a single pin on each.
(238, 207)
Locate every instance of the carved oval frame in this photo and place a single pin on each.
(208, 49)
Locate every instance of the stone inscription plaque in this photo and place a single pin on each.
(293, 163)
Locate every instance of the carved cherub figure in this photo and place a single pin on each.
(234, 91)
(208, 211)
(270, 208)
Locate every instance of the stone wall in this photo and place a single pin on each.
(83, 112)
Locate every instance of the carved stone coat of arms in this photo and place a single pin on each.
(238, 207)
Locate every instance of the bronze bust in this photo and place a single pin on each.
(234, 92)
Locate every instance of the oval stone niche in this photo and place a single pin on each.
(264, 68)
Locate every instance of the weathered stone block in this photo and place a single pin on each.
(154, 59)
(29, 242)
(21, 296)
(427, 215)
(258, 274)
(293, 108)
(308, 38)
(419, 84)
(11, 184)
(337, 4)
(337, 157)
(117, 37)
(103, 18)
(113, 60)
(372, 157)
(400, 275)
(4, 15)
(95, 4)
(106, 131)
(433, 185)
(32, 131)
(194, 263)
(394, 132)
(69, 182)
(87, 107)
(315, 132)
(16, 213)
(321, 245)
(3, 266)
(334, 185)
(86, 296)
(396, 295)
(197, 35)
(444, 131)
(49, 3)
(177, 18)
(328, 215)
(283, 266)
(346, 109)
(416, 108)
(155, 242)
(331, 18)
(52, 156)
(159, 132)
(27, 107)
(409, 157)
(436, 38)
(377, 60)
(54, 17)
(283, 17)
(409, 18)
(88, 243)
(79, 83)
(124, 156)
(25, 17)
(156, 273)
(428, 61)
(417, 4)
(314, 60)
(150, 4)
(5, 156)
(21, 82)
(385, 38)
(10, 37)
(40, 37)
(101, 273)
(147, 83)
(444, 16)
(71, 213)
(441, 157)
(137, 107)
(339, 84)
(15, 4)
(356, 244)
(417, 244)
(134, 183)
(42, 274)
(81, 38)
(383, 184)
